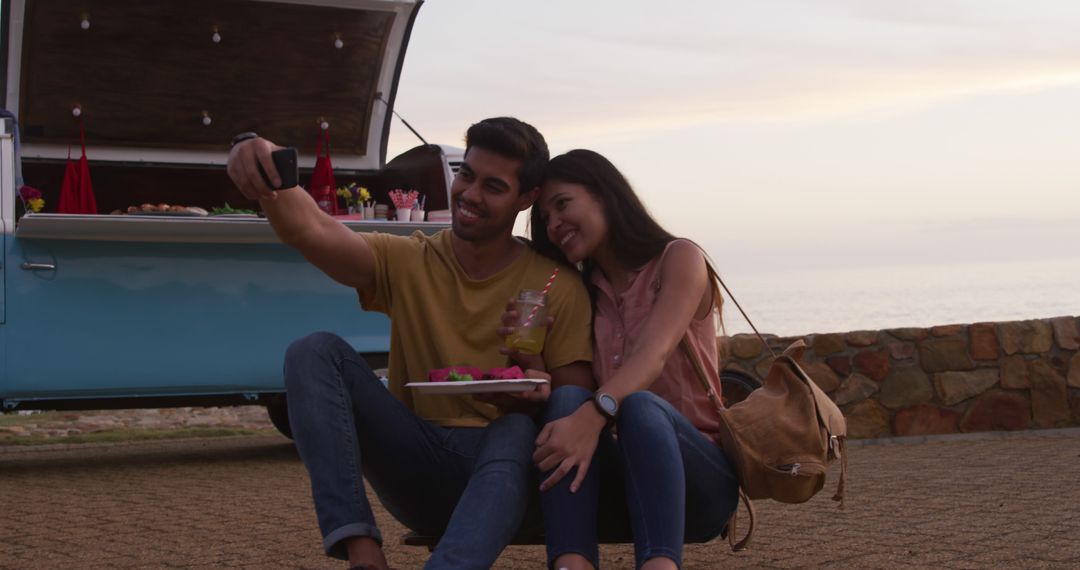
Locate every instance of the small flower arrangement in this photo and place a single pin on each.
(32, 199)
(404, 200)
(355, 196)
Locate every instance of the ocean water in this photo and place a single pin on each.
(800, 302)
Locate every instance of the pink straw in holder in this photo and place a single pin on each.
(544, 293)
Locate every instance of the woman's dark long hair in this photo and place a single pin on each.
(634, 236)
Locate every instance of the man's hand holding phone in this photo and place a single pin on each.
(258, 167)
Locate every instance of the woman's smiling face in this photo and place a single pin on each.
(574, 219)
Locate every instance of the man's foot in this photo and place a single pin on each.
(365, 553)
(573, 562)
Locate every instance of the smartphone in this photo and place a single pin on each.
(285, 162)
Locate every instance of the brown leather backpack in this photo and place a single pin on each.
(782, 437)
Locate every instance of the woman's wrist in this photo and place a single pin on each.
(592, 416)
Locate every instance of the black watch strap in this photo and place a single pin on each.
(606, 404)
(243, 137)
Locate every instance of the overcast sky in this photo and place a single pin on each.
(857, 132)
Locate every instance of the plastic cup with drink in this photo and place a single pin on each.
(530, 328)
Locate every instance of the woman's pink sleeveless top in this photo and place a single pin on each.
(618, 322)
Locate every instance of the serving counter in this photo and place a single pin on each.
(165, 229)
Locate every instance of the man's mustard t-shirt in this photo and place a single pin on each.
(439, 317)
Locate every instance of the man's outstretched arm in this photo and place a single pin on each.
(339, 252)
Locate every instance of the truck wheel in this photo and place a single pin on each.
(278, 411)
(736, 386)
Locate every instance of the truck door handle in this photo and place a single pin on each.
(38, 266)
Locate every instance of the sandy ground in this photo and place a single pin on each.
(244, 502)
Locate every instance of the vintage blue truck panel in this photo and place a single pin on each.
(112, 309)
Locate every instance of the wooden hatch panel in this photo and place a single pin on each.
(145, 71)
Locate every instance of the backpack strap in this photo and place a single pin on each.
(752, 514)
(656, 286)
(660, 264)
(841, 450)
(699, 371)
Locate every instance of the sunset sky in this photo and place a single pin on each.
(848, 133)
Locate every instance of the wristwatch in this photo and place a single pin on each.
(607, 404)
(243, 137)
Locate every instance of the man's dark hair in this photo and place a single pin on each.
(511, 138)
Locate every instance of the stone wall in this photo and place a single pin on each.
(943, 379)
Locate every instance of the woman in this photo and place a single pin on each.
(663, 475)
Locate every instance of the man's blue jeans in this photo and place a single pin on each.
(471, 485)
(660, 481)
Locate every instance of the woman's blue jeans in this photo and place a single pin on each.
(470, 485)
(660, 480)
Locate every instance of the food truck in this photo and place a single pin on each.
(150, 300)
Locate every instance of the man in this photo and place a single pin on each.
(449, 465)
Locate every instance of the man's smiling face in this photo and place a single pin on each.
(485, 197)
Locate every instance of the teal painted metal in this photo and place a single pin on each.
(157, 314)
(3, 283)
(122, 319)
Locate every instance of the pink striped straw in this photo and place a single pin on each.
(544, 293)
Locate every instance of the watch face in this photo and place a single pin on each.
(607, 404)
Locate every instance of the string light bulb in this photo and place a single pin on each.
(216, 36)
(76, 111)
(206, 120)
(85, 21)
(337, 41)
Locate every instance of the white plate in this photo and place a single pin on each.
(184, 213)
(475, 386)
(235, 216)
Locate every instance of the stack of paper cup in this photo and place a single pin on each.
(441, 216)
